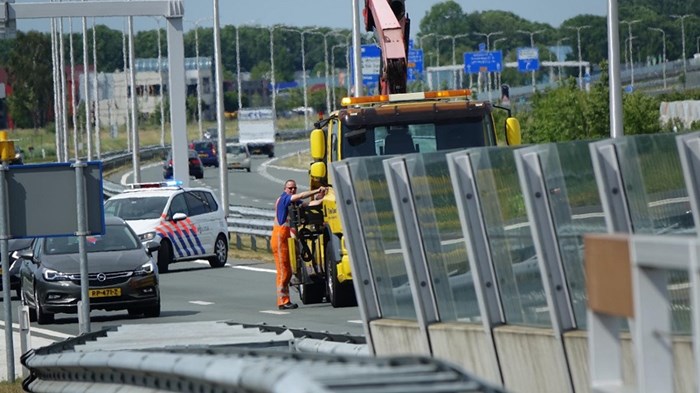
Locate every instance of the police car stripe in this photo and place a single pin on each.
(177, 234)
(166, 233)
(186, 234)
(194, 230)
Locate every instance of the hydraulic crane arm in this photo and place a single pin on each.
(389, 21)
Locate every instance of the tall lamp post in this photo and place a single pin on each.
(532, 45)
(663, 35)
(682, 18)
(580, 58)
(488, 48)
(454, 55)
(559, 41)
(303, 72)
(272, 73)
(629, 24)
(327, 67)
(498, 74)
(333, 71)
(199, 76)
(422, 46)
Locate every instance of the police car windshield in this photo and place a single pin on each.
(135, 208)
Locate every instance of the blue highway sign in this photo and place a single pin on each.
(415, 64)
(528, 59)
(483, 61)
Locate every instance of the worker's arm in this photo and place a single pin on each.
(307, 194)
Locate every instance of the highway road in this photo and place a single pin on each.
(243, 291)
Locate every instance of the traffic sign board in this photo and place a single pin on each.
(370, 56)
(483, 61)
(415, 64)
(528, 59)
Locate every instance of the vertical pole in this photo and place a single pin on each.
(176, 66)
(98, 147)
(160, 79)
(199, 80)
(616, 129)
(6, 292)
(328, 91)
(356, 44)
(219, 76)
(64, 111)
(56, 91)
(73, 101)
(86, 74)
(272, 73)
(238, 69)
(84, 309)
(135, 154)
(127, 123)
(303, 78)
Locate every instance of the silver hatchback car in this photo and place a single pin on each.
(238, 157)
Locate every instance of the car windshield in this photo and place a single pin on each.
(116, 238)
(236, 149)
(144, 208)
(202, 146)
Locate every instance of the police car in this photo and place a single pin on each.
(189, 223)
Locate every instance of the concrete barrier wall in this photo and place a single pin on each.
(531, 359)
(467, 346)
(398, 337)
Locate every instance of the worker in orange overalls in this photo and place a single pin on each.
(281, 231)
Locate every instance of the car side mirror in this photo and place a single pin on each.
(179, 216)
(27, 253)
(152, 246)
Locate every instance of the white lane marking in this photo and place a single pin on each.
(125, 176)
(262, 170)
(45, 332)
(254, 269)
(200, 302)
(357, 321)
(274, 312)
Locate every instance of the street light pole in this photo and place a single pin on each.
(272, 73)
(498, 74)
(663, 53)
(303, 72)
(488, 48)
(199, 76)
(682, 18)
(580, 58)
(454, 56)
(333, 71)
(424, 52)
(629, 30)
(532, 45)
(559, 41)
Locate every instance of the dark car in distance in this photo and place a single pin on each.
(206, 151)
(196, 169)
(122, 274)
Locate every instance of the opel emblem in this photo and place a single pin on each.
(101, 277)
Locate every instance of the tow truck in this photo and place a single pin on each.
(390, 123)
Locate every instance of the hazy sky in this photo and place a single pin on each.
(337, 13)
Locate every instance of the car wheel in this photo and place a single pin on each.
(18, 292)
(220, 252)
(152, 311)
(165, 256)
(42, 317)
(247, 169)
(199, 176)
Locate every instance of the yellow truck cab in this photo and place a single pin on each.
(380, 126)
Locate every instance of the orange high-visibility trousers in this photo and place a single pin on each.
(280, 251)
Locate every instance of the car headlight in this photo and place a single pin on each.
(144, 237)
(145, 269)
(52, 275)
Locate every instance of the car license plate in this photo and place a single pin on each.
(203, 155)
(106, 292)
